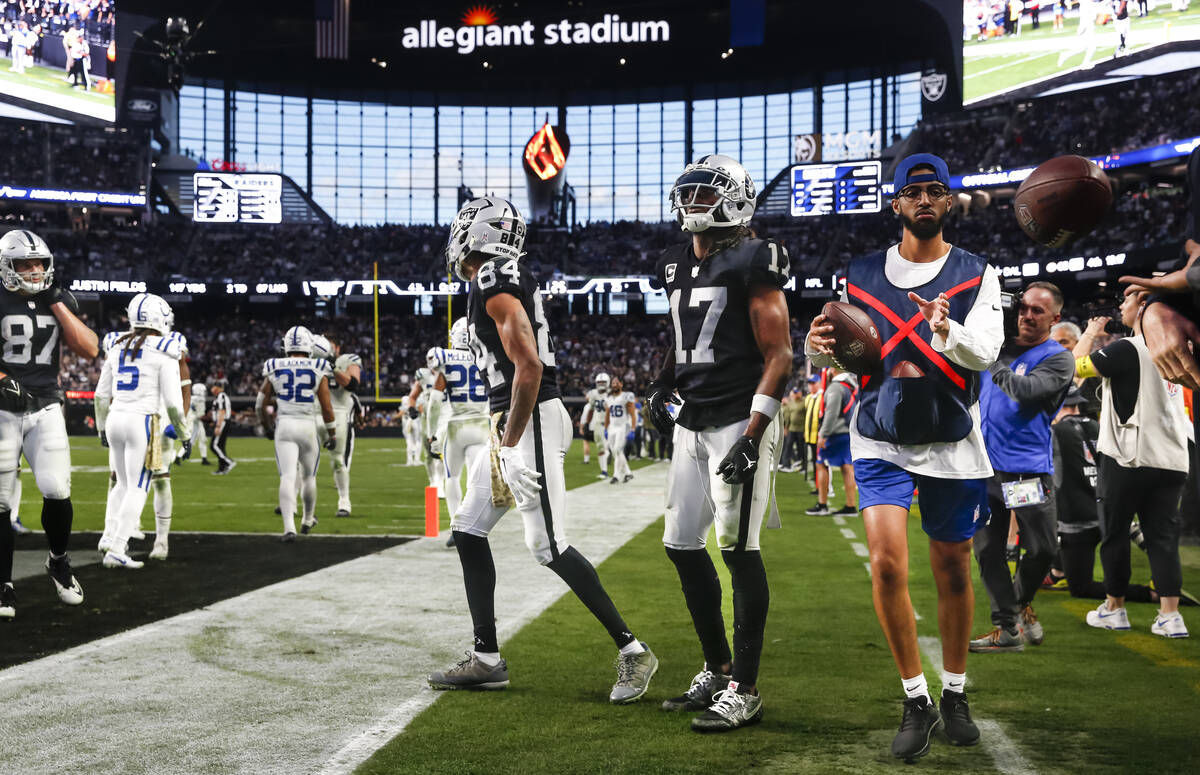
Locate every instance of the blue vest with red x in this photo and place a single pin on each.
(915, 410)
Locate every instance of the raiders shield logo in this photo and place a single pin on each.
(670, 272)
(933, 86)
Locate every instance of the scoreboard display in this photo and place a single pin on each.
(826, 189)
(237, 198)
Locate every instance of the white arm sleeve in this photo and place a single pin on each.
(172, 397)
(976, 344)
(103, 396)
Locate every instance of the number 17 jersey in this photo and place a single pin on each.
(295, 382)
(510, 276)
(717, 361)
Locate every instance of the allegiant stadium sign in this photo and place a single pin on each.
(470, 37)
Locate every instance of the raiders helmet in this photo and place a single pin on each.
(460, 335)
(19, 245)
(489, 225)
(147, 310)
(298, 339)
(713, 174)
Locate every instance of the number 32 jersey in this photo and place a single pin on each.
(295, 382)
(717, 361)
(30, 336)
(514, 278)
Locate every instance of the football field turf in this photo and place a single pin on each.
(998, 65)
(1086, 700)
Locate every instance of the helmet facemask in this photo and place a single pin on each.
(714, 192)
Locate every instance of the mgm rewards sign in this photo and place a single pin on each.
(480, 30)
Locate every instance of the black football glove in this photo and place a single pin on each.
(55, 294)
(13, 397)
(104, 439)
(330, 443)
(658, 397)
(413, 413)
(740, 465)
(187, 449)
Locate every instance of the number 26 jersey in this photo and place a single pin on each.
(295, 382)
(717, 361)
(514, 278)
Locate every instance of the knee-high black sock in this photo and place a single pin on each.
(573, 568)
(56, 521)
(751, 598)
(6, 547)
(479, 577)
(702, 591)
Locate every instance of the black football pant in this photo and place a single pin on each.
(794, 452)
(1078, 554)
(218, 448)
(1038, 526)
(1153, 495)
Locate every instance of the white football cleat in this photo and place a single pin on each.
(65, 585)
(137, 535)
(1169, 625)
(104, 545)
(159, 552)
(114, 560)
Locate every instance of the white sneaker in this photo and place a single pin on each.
(159, 552)
(1169, 625)
(1108, 620)
(104, 545)
(114, 560)
(138, 535)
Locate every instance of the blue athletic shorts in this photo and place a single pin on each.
(836, 451)
(951, 509)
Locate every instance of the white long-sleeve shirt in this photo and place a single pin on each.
(974, 345)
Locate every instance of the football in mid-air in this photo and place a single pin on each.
(1062, 200)
(858, 349)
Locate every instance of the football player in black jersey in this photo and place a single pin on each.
(730, 363)
(35, 315)
(512, 346)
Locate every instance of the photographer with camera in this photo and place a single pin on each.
(1143, 442)
(1028, 384)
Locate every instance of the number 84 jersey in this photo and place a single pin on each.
(466, 395)
(717, 361)
(295, 382)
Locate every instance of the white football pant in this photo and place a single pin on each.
(465, 441)
(42, 435)
(128, 437)
(296, 445)
(615, 443)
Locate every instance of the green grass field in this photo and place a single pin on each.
(1001, 64)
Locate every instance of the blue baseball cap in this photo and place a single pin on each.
(905, 175)
(814, 378)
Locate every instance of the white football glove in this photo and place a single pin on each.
(521, 479)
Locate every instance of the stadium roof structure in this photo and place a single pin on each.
(545, 50)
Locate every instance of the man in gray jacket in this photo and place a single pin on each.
(833, 441)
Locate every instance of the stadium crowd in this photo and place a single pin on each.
(73, 157)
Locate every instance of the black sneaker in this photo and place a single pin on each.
(701, 694)
(8, 601)
(847, 511)
(919, 723)
(956, 715)
(204, 462)
(819, 510)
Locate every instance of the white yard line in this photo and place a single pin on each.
(311, 674)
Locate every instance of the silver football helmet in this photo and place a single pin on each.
(602, 381)
(298, 339)
(460, 335)
(488, 225)
(713, 191)
(322, 348)
(23, 245)
(148, 310)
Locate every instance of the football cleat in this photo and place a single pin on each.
(847, 511)
(20, 528)
(917, 726)
(818, 510)
(634, 672)
(733, 709)
(614, 480)
(1169, 625)
(343, 513)
(8, 601)
(65, 584)
(702, 693)
(104, 544)
(627, 478)
(997, 641)
(159, 552)
(288, 537)
(114, 560)
(470, 673)
(137, 535)
(278, 511)
(1105, 619)
(307, 524)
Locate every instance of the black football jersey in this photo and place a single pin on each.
(717, 361)
(512, 277)
(1075, 437)
(29, 343)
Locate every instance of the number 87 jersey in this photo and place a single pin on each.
(295, 381)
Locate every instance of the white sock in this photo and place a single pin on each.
(587, 458)
(164, 504)
(489, 658)
(954, 682)
(633, 647)
(915, 687)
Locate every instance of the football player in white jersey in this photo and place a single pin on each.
(461, 433)
(199, 405)
(160, 475)
(619, 414)
(347, 370)
(411, 423)
(423, 403)
(591, 423)
(140, 375)
(300, 383)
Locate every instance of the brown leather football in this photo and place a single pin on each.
(907, 370)
(858, 348)
(1062, 200)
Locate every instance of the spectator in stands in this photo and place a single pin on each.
(1027, 386)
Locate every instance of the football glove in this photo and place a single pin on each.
(659, 396)
(187, 449)
(13, 397)
(104, 439)
(521, 479)
(434, 447)
(169, 432)
(413, 413)
(740, 464)
(56, 293)
(330, 443)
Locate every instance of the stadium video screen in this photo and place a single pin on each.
(59, 53)
(1042, 48)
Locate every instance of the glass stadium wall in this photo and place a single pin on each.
(373, 162)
